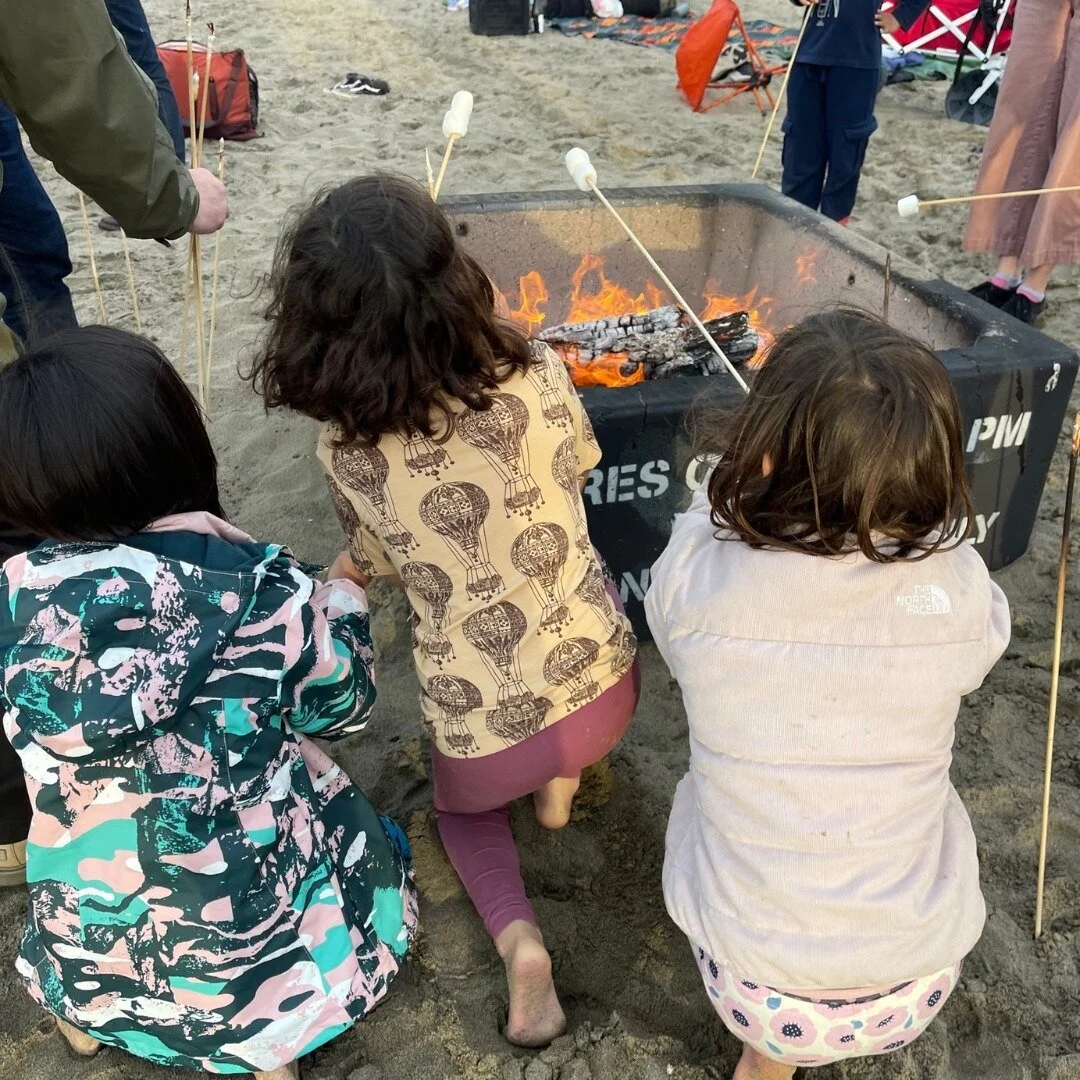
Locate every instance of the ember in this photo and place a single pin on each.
(612, 337)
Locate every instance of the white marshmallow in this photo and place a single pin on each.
(456, 120)
(580, 168)
(908, 206)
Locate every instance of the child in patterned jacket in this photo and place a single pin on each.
(455, 450)
(207, 887)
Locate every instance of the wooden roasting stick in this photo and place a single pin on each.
(584, 175)
(214, 276)
(910, 205)
(93, 261)
(131, 280)
(780, 95)
(1055, 671)
(455, 126)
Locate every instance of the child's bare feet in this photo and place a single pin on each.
(286, 1072)
(755, 1066)
(84, 1045)
(536, 1017)
(552, 802)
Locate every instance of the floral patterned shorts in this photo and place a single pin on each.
(797, 1031)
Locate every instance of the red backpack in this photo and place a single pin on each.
(232, 109)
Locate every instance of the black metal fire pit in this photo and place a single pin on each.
(1013, 382)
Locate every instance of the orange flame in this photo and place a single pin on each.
(606, 298)
(533, 293)
(593, 296)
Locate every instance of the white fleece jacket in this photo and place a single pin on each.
(817, 840)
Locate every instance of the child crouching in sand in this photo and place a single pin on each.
(207, 888)
(824, 618)
(454, 449)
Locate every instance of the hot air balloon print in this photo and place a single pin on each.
(434, 587)
(350, 523)
(625, 645)
(569, 664)
(499, 434)
(424, 457)
(364, 469)
(564, 470)
(455, 697)
(496, 632)
(593, 591)
(539, 553)
(518, 720)
(553, 407)
(457, 512)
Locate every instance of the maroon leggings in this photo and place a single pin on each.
(472, 797)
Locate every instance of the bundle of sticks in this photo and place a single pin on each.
(661, 344)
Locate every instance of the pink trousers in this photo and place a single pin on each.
(472, 797)
(1034, 142)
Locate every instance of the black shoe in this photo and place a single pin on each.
(1024, 308)
(993, 294)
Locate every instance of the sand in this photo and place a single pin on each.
(636, 1007)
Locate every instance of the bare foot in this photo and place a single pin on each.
(536, 1017)
(552, 802)
(755, 1066)
(286, 1072)
(84, 1045)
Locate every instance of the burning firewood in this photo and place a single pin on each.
(659, 344)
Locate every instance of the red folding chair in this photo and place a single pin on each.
(699, 51)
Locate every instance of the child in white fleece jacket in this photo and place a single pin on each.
(824, 617)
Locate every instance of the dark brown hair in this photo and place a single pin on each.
(99, 437)
(862, 430)
(378, 319)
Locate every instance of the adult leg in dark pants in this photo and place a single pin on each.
(850, 94)
(35, 258)
(129, 18)
(806, 149)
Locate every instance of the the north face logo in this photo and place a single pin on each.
(926, 600)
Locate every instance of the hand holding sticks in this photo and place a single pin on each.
(584, 175)
(1055, 671)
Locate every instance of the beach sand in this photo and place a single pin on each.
(636, 1006)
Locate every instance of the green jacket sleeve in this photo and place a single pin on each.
(87, 107)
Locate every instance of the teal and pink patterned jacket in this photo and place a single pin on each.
(207, 888)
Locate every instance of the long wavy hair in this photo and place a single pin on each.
(850, 440)
(379, 321)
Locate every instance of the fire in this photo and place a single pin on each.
(593, 296)
(533, 293)
(611, 369)
(756, 309)
(606, 298)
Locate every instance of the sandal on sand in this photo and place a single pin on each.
(356, 85)
(13, 864)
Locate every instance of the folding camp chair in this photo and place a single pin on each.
(700, 49)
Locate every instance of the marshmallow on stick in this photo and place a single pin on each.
(910, 205)
(455, 126)
(583, 173)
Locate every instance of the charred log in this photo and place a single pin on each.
(659, 344)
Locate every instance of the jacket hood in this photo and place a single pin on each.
(112, 641)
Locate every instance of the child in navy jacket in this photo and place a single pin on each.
(834, 81)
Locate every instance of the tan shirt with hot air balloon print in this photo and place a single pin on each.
(513, 628)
